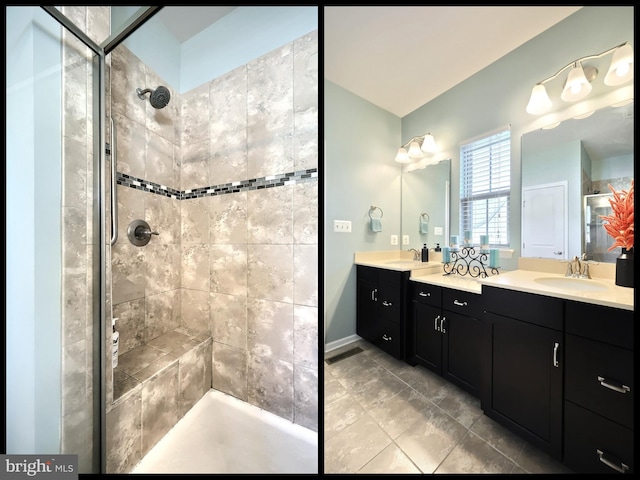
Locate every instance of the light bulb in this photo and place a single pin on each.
(428, 144)
(621, 69)
(539, 102)
(577, 86)
(414, 150)
(402, 156)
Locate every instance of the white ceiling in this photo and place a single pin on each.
(400, 58)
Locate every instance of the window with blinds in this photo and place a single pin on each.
(485, 185)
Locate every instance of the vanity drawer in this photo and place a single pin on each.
(605, 324)
(426, 293)
(599, 377)
(388, 338)
(593, 444)
(527, 307)
(462, 302)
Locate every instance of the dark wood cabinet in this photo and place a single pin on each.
(522, 370)
(599, 389)
(446, 333)
(557, 372)
(427, 322)
(381, 308)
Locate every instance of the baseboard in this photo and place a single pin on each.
(341, 342)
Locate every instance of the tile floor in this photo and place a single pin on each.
(383, 416)
(224, 435)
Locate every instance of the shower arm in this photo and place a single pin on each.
(114, 196)
(141, 93)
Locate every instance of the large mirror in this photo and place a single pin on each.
(566, 171)
(425, 204)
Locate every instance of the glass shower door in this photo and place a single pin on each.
(597, 240)
(52, 241)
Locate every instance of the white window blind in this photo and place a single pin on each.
(485, 185)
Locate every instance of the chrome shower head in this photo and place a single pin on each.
(159, 97)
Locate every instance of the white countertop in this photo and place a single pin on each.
(523, 279)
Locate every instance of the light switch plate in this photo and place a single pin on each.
(342, 226)
(437, 231)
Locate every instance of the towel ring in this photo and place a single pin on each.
(422, 215)
(373, 209)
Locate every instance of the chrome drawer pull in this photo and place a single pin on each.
(442, 325)
(373, 294)
(555, 354)
(422, 294)
(386, 304)
(622, 468)
(384, 337)
(435, 324)
(604, 383)
(460, 304)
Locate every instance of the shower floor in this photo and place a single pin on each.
(222, 434)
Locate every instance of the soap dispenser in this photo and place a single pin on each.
(115, 339)
(425, 253)
(437, 249)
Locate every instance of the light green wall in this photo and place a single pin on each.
(219, 48)
(360, 141)
(492, 98)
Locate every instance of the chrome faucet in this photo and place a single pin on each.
(416, 254)
(575, 267)
(584, 273)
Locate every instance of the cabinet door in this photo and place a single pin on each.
(461, 337)
(367, 324)
(525, 391)
(427, 336)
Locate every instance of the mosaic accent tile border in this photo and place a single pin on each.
(269, 181)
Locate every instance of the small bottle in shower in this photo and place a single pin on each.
(115, 338)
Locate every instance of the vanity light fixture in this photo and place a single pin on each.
(418, 146)
(578, 83)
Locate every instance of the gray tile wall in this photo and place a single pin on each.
(241, 267)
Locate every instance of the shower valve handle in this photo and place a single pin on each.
(139, 233)
(142, 232)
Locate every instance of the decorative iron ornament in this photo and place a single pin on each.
(467, 262)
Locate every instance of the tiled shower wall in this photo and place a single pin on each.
(237, 253)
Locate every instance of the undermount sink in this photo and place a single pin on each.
(568, 283)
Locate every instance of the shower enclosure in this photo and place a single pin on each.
(188, 211)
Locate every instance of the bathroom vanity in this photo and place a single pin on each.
(558, 366)
(550, 357)
(382, 305)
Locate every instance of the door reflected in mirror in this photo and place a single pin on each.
(585, 156)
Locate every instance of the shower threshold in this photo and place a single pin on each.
(222, 434)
